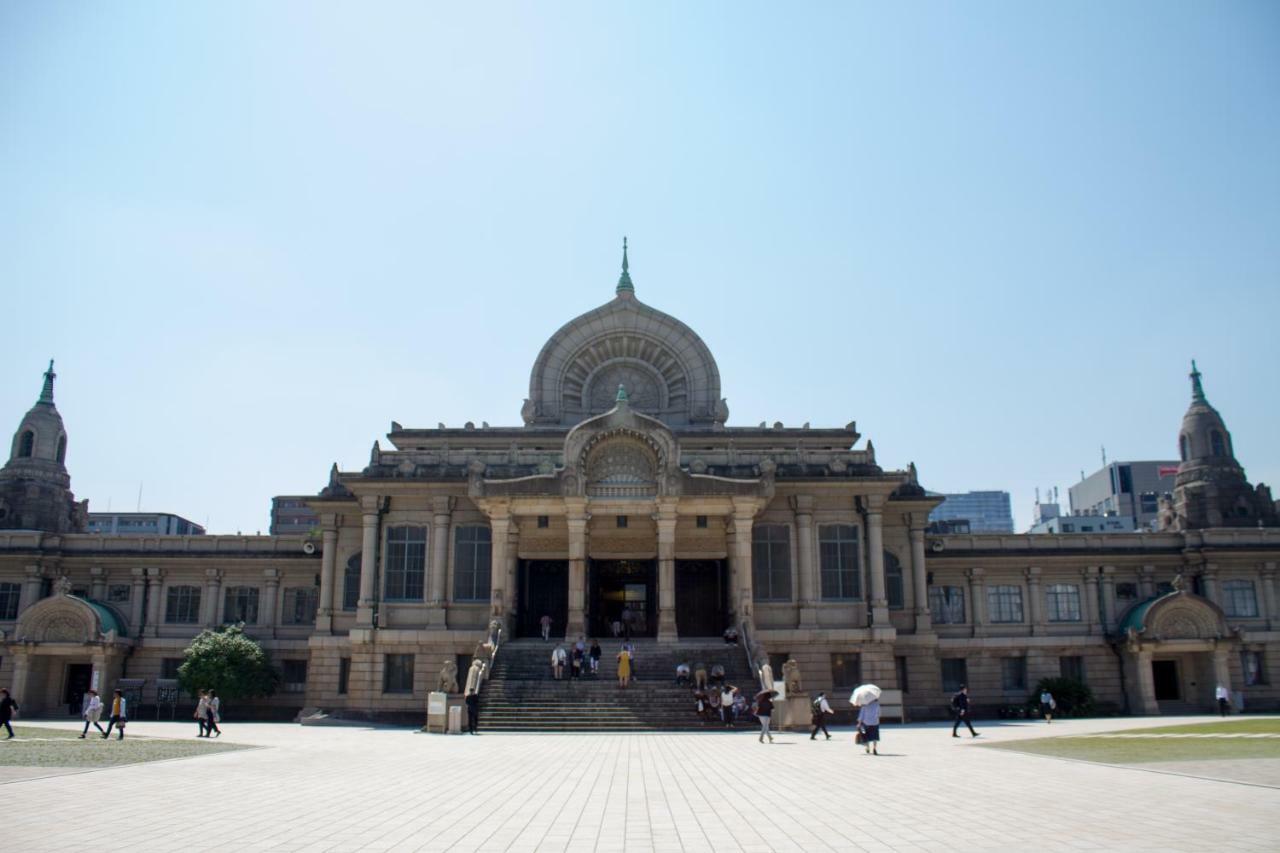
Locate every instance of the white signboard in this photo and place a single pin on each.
(437, 704)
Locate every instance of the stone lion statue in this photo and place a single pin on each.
(791, 676)
(448, 682)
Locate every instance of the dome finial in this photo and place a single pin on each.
(46, 393)
(622, 397)
(624, 280)
(1197, 390)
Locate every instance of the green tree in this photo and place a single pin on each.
(228, 661)
(1074, 698)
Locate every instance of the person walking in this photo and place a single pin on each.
(821, 710)
(119, 715)
(1223, 695)
(595, 656)
(1047, 705)
(545, 622)
(624, 667)
(869, 725)
(960, 707)
(473, 711)
(558, 658)
(213, 715)
(626, 623)
(91, 712)
(8, 710)
(764, 710)
(202, 707)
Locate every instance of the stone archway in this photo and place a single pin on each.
(1176, 651)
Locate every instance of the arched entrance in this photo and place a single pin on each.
(1177, 651)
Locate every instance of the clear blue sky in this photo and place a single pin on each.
(994, 234)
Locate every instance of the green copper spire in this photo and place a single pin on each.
(1197, 390)
(46, 393)
(622, 397)
(624, 280)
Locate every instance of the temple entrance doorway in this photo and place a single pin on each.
(1165, 675)
(79, 679)
(701, 598)
(544, 590)
(615, 586)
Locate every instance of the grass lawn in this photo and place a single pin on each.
(42, 747)
(1109, 750)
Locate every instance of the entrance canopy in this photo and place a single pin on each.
(67, 618)
(1176, 616)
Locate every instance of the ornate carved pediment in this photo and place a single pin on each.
(1183, 616)
(60, 619)
(622, 466)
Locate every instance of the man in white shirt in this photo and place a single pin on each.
(1223, 695)
(682, 673)
(726, 705)
(821, 710)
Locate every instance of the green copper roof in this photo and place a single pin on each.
(106, 615)
(624, 280)
(1137, 615)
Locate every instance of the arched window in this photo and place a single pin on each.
(1217, 446)
(893, 588)
(27, 444)
(62, 449)
(1182, 447)
(351, 583)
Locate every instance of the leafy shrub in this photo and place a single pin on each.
(1074, 698)
(228, 661)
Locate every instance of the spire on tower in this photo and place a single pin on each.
(1197, 390)
(46, 393)
(624, 280)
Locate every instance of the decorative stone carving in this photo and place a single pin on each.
(448, 681)
(791, 677)
(622, 466)
(1188, 618)
(62, 629)
(644, 390)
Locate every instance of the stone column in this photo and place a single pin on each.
(919, 573)
(875, 558)
(268, 611)
(666, 520)
(513, 579)
(1221, 666)
(802, 506)
(441, 516)
(97, 583)
(136, 596)
(1209, 576)
(328, 568)
(742, 585)
(212, 590)
(19, 681)
(155, 584)
(1147, 581)
(978, 603)
(1035, 598)
(576, 517)
(1147, 703)
(370, 515)
(1108, 593)
(1269, 595)
(30, 588)
(1090, 603)
(499, 537)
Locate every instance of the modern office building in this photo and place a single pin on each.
(292, 515)
(141, 523)
(625, 487)
(1084, 524)
(1130, 489)
(986, 512)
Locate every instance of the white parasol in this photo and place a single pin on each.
(864, 694)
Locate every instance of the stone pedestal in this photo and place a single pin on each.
(796, 713)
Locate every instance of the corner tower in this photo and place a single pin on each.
(1211, 489)
(35, 488)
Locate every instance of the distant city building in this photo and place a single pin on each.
(1129, 489)
(135, 523)
(291, 515)
(986, 512)
(1084, 524)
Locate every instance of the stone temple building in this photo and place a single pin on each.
(625, 487)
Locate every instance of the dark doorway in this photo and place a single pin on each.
(544, 590)
(79, 678)
(1165, 675)
(618, 585)
(700, 598)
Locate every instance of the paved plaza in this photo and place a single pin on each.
(340, 789)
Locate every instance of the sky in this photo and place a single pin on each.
(993, 234)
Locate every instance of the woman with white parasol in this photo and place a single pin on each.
(866, 698)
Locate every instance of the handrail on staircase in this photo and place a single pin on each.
(754, 652)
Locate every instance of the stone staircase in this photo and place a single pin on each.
(521, 694)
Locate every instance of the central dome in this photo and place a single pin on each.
(667, 370)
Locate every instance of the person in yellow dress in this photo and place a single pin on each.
(624, 668)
